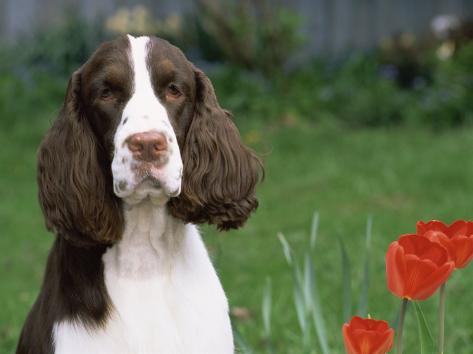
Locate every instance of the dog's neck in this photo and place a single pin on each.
(151, 242)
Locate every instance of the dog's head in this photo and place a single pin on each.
(140, 121)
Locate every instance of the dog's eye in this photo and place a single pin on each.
(173, 92)
(106, 94)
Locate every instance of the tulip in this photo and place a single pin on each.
(416, 267)
(367, 336)
(457, 238)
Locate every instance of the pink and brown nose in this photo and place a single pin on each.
(147, 146)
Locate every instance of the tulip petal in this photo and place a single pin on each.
(358, 322)
(379, 326)
(431, 282)
(395, 269)
(458, 228)
(469, 230)
(420, 227)
(444, 241)
(417, 271)
(410, 244)
(433, 225)
(348, 339)
(437, 253)
(365, 341)
(384, 342)
(463, 247)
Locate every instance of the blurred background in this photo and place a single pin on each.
(361, 109)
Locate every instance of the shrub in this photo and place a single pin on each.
(57, 50)
(254, 35)
(361, 90)
(448, 102)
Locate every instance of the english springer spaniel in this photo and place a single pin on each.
(141, 151)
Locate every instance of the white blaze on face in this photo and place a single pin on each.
(144, 113)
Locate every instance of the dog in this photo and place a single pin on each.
(140, 153)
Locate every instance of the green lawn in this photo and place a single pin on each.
(397, 176)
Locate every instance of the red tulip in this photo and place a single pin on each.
(367, 336)
(457, 238)
(416, 267)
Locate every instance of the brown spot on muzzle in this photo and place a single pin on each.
(122, 185)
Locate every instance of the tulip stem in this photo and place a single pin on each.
(400, 325)
(441, 339)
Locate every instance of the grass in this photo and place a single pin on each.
(397, 176)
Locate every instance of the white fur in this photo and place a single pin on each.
(144, 113)
(165, 293)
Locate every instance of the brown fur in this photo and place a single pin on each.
(220, 173)
(74, 178)
(76, 196)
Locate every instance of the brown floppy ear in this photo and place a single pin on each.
(220, 172)
(74, 178)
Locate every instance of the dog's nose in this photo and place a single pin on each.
(147, 146)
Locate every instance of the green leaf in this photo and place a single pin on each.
(266, 312)
(308, 282)
(395, 321)
(266, 309)
(363, 304)
(240, 343)
(286, 248)
(425, 335)
(315, 308)
(346, 280)
(298, 285)
(313, 230)
(299, 298)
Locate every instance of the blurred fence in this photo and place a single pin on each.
(331, 26)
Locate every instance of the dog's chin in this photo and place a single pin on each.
(148, 188)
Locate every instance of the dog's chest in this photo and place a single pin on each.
(166, 299)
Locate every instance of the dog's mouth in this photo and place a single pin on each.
(149, 171)
(148, 180)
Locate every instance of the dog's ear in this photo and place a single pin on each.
(220, 172)
(74, 178)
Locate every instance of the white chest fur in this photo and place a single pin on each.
(166, 295)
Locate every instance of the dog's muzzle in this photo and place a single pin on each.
(146, 164)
